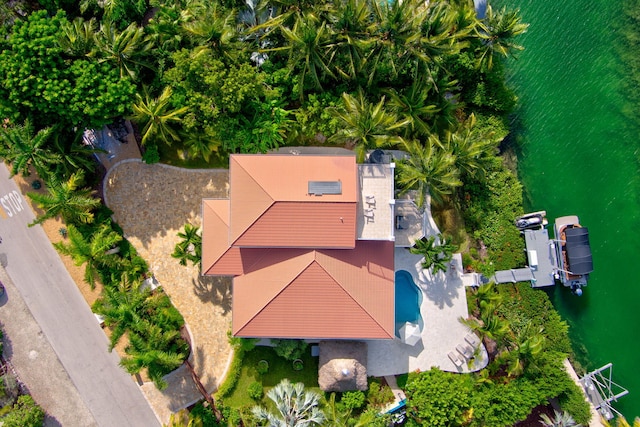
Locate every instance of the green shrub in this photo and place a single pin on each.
(352, 400)
(379, 395)
(151, 155)
(233, 375)
(255, 390)
(289, 349)
(25, 413)
(574, 403)
(262, 367)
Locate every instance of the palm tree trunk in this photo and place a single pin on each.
(203, 391)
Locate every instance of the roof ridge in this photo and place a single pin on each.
(256, 183)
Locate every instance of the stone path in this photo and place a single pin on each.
(152, 203)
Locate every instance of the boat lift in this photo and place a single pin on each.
(601, 390)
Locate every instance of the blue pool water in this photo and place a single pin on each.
(408, 299)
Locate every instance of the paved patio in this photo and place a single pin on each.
(443, 303)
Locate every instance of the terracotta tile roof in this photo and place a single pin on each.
(300, 273)
(318, 294)
(309, 224)
(261, 186)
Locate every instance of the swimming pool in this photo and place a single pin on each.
(408, 300)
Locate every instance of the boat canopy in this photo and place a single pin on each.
(578, 250)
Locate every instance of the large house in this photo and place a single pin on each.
(309, 241)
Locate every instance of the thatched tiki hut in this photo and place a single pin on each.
(343, 366)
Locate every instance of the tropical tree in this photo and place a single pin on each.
(560, 419)
(122, 308)
(413, 104)
(436, 256)
(622, 422)
(156, 350)
(397, 37)
(77, 38)
(190, 246)
(349, 21)
(366, 125)
(524, 352)
(22, 149)
(128, 50)
(157, 118)
(96, 251)
(497, 31)
(74, 205)
(473, 150)
(308, 44)
(211, 28)
(429, 170)
(296, 407)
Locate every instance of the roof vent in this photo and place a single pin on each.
(325, 187)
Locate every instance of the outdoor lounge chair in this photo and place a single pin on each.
(472, 340)
(455, 359)
(465, 350)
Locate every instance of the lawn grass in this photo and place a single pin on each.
(279, 368)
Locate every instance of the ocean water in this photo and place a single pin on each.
(579, 156)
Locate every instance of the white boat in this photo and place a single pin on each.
(532, 221)
(573, 253)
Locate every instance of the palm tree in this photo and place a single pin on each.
(349, 20)
(436, 256)
(413, 105)
(156, 117)
(296, 407)
(200, 145)
(429, 170)
(622, 422)
(190, 246)
(65, 199)
(77, 38)
(128, 49)
(497, 31)
(366, 125)
(209, 27)
(22, 149)
(156, 350)
(472, 149)
(308, 44)
(96, 251)
(528, 345)
(122, 307)
(75, 155)
(560, 419)
(396, 32)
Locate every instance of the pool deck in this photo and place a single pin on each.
(444, 302)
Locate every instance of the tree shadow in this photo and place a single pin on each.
(442, 289)
(155, 201)
(214, 290)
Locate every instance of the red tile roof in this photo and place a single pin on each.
(299, 271)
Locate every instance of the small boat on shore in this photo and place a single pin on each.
(573, 253)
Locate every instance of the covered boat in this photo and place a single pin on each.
(573, 253)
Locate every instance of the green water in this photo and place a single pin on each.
(580, 156)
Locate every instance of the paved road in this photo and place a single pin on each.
(28, 257)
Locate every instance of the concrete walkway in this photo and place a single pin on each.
(66, 321)
(37, 365)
